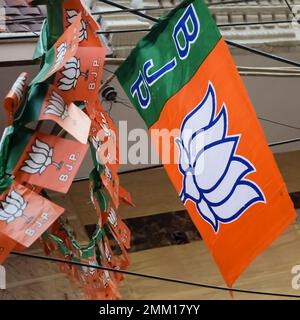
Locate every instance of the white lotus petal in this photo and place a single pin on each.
(200, 117)
(72, 62)
(50, 153)
(12, 201)
(56, 107)
(43, 168)
(52, 111)
(60, 54)
(207, 213)
(236, 170)
(32, 164)
(75, 83)
(65, 114)
(77, 73)
(54, 99)
(72, 13)
(112, 218)
(67, 81)
(190, 186)
(205, 137)
(238, 202)
(65, 87)
(95, 142)
(9, 208)
(56, 104)
(41, 144)
(70, 73)
(39, 150)
(15, 195)
(28, 170)
(212, 163)
(3, 215)
(11, 219)
(38, 158)
(183, 156)
(48, 162)
(19, 214)
(57, 96)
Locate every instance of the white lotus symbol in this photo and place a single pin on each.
(71, 73)
(40, 158)
(105, 278)
(18, 86)
(107, 253)
(57, 106)
(96, 144)
(71, 15)
(219, 189)
(92, 263)
(61, 52)
(104, 125)
(13, 208)
(112, 217)
(107, 173)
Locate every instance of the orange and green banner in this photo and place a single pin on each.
(15, 96)
(61, 14)
(44, 102)
(25, 215)
(62, 51)
(44, 160)
(181, 78)
(80, 77)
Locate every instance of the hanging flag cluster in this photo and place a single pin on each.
(182, 77)
(65, 93)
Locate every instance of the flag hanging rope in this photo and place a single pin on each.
(237, 24)
(130, 10)
(153, 277)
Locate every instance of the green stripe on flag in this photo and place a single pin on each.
(47, 67)
(158, 49)
(42, 43)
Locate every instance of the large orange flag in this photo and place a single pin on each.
(181, 77)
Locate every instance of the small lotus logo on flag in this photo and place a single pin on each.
(13, 208)
(60, 54)
(107, 253)
(105, 125)
(112, 217)
(96, 142)
(219, 189)
(36, 164)
(16, 202)
(57, 106)
(71, 15)
(19, 86)
(107, 174)
(40, 158)
(71, 72)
